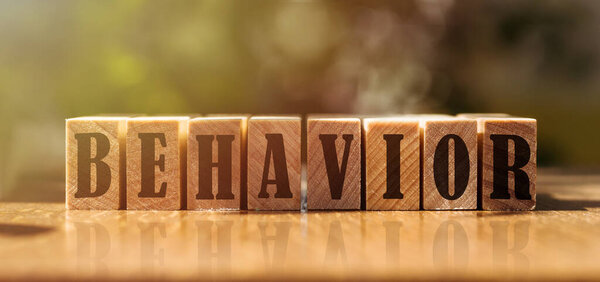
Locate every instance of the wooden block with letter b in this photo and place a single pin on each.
(392, 165)
(95, 155)
(274, 162)
(333, 162)
(214, 171)
(449, 163)
(156, 154)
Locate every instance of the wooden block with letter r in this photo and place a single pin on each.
(214, 171)
(156, 161)
(95, 169)
(333, 162)
(274, 162)
(449, 163)
(392, 165)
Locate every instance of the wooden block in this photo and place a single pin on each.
(333, 163)
(274, 163)
(449, 163)
(392, 152)
(215, 147)
(508, 163)
(95, 169)
(156, 160)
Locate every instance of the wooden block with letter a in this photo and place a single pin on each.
(95, 170)
(215, 148)
(392, 165)
(333, 162)
(508, 163)
(449, 163)
(156, 160)
(274, 162)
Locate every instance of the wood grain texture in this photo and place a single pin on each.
(113, 129)
(329, 187)
(403, 134)
(434, 130)
(165, 155)
(270, 139)
(226, 131)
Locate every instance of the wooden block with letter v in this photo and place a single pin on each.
(214, 171)
(392, 165)
(95, 162)
(333, 162)
(508, 163)
(449, 163)
(274, 162)
(156, 160)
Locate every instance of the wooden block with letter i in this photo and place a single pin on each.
(215, 148)
(274, 162)
(449, 163)
(392, 165)
(156, 154)
(95, 170)
(333, 162)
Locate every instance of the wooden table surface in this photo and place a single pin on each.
(558, 241)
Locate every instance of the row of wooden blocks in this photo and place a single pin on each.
(408, 162)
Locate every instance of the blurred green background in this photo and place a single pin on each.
(61, 59)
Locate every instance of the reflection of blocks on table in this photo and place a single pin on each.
(156, 155)
(274, 162)
(449, 163)
(94, 160)
(392, 163)
(333, 162)
(215, 148)
(507, 161)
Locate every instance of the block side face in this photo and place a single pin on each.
(377, 165)
(171, 152)
(526, 129)
(109, 131)
(433, 132)
(229, 128)
(319, 194)
(289, 132)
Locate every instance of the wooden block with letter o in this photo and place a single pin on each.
(156, 160)
(274, 162)
(214, 171)
(333, 162)
(95, 170)
(449, 163)
(392, 165)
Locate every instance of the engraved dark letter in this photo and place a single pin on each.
(276, 149)
(149, 162)
(461, 167)
(392, 142)
(501, 167)
(85, 161)
(205, 166)
(335, 174)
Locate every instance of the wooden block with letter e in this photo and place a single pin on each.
(392, 165)
(95, 169)
(156, 160)
(333, 162)
(449, 163)
(214, 171)
(508, 163)
(274, 162)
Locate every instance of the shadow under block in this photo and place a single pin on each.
(94, 171)
(156, 161)
(508, 163)
(392, 166)
(333, 163)
(449, 163)
(274, 163)
(214, 156)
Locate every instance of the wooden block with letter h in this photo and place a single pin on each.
(156, 160)
(216, 146)
(392, 163)
(95, 162)
(274, 163)
(333, 162)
